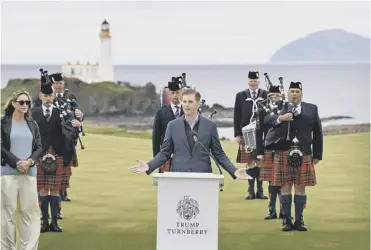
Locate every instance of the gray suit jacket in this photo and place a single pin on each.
(198, 160)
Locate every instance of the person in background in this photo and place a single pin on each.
(266, 156)
(53, 142)
(243, 114)
(297, 140)
(20, 150)
(164, 115)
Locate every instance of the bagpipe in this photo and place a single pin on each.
(270, 106)
(66, 108)
(280, 107)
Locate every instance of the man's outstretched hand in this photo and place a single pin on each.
(141, 167)
(242, 175)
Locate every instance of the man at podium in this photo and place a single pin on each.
(190, 139)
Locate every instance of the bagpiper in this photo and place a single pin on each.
(297, 139)
(164, 115)
(53, 162)
(59, 87)
(243, 114)
(266, 156)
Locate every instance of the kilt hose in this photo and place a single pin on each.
(54, 181)
(283, 174)
(165, 167)
(245, 157)
(266, 166)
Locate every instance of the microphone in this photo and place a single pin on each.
(194, 136)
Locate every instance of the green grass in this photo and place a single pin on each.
(114, 209)
(115, 131)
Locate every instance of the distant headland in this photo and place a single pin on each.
(329, 46)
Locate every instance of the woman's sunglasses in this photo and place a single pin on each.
(23, 102)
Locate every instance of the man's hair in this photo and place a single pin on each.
(189, 91)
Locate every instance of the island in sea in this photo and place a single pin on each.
(325, 46)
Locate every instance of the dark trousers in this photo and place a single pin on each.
(255, 173)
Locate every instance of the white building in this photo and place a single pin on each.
(94, 72)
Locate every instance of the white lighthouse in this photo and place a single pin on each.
(101, 71)
(105, 70)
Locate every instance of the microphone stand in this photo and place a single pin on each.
(211, 155)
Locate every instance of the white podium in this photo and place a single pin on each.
(187, 210)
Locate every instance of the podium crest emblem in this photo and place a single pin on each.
(188, 208)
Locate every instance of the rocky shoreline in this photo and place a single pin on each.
(145, 124)
(346, 129)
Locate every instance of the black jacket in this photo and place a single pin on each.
(243, 110)
(163, 116)
(306, 127)
(8, 157)
(38, 103)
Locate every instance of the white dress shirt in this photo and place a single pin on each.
(256, 92)
(50, 109)
(298, 109)
(174, 108)
(193, 123)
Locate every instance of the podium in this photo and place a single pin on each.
(187, 210)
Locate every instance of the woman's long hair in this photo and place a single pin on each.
(9, 109)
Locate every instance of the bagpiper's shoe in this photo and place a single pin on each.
(59, 215)
(251, 195)
(66, 198)
(300, 226)
(44, 225)
(260, 195)
(54, 227)
(272, 215)
(287, 224)
(64, 195)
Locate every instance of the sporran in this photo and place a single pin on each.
(49, 164)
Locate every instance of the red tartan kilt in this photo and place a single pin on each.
(165, 167)
(245, 157)
(266, 167)
(283, 174)
(66, 177)
(51, 181)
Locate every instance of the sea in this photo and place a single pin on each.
(341, 89)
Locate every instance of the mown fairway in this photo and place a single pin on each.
(113, 209)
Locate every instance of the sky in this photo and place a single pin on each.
(165, 33)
